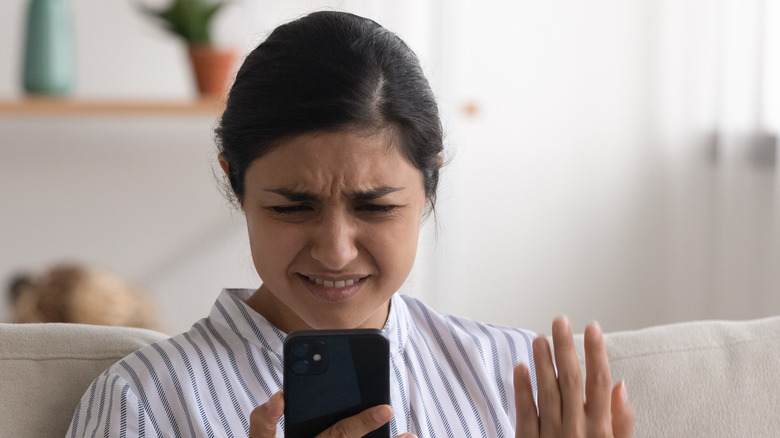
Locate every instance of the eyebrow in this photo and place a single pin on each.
(358, 195)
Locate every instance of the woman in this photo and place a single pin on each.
(331, 143)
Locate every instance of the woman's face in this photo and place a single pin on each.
(333, 220)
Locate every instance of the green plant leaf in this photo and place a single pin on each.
(189, 19)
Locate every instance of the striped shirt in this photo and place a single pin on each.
(450, 376)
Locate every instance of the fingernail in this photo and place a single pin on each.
(274, 400)
(596, 330)
(540, 344)
(623, 391)
(563, 319)
(383, 413)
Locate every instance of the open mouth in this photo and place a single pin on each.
(335, 284)
(334, 291)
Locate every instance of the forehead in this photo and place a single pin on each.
(319, 160)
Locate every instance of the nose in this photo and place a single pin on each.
(334, 242)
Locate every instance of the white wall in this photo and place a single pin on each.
(586, 182)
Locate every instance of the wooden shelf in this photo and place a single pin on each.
(77, 107)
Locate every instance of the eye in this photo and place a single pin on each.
(377, 208)
(290, 209)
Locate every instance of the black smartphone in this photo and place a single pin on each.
(330, 375)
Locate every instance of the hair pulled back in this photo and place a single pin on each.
(325, 72)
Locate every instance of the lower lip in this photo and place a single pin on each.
(331, 294)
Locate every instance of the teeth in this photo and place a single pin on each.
(334, 284)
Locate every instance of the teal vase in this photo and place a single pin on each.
(49, 55)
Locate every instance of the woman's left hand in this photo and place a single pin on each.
(604, 411)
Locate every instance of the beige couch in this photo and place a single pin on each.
(45, 368)
(700, 379)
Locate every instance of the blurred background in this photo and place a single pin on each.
(609, 159)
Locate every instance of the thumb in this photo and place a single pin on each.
(264, 418)
(622, 412)
(360, 424)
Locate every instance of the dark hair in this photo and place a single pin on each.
(330, 71)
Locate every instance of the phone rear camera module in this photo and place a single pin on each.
(300, 366)
(300, 350)
(307, 356)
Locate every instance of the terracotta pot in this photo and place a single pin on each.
(212, 68)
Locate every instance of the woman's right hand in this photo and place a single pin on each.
(264, 418)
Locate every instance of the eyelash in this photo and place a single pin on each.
(378, 208)
(292, 209)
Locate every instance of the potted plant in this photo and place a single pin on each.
(190, 20)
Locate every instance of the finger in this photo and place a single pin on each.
(597, 382)
(569, 379)
(264, 418)
(360, 424)
(549, 394)
(622, 412)
(527, 423)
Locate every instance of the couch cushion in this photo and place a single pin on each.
(701, 379)
(697, 379)
(45, 368)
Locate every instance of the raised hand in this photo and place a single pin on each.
(563, 412)
(264, 418)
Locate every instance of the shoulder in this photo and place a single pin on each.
(160, 387)
(424, 315)
(166, 361)
(107, 403)
(461, 333)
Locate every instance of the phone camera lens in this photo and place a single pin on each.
(300, 366)
(300, 350)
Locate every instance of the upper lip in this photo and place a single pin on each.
(353, 277)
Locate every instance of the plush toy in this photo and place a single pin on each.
(77, 294)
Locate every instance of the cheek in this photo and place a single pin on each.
(395, 248)
(272, 247)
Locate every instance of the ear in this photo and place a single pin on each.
(226, 184)
(224, 165)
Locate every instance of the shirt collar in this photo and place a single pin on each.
(398, 325)
(231, 311)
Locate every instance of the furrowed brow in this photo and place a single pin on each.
(369, 195)
(294, 196)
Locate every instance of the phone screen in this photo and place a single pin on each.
(333, 374)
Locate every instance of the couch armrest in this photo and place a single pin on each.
(700, 379)
(45, 369)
